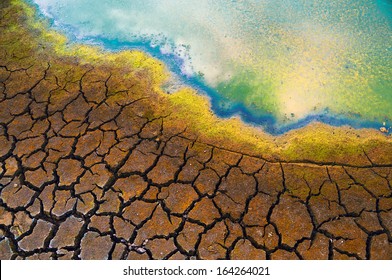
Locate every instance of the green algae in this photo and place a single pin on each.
(249, 89)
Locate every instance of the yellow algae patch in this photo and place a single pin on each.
(192, 110)
(322, 143)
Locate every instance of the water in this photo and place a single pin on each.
(278, 63)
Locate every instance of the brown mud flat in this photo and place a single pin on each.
(90, 168)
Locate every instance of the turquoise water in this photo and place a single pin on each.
(280, 64)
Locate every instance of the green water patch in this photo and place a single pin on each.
(251, 91)
(382, 110)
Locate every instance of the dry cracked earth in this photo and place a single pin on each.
(85, 174)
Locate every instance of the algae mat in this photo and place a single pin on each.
(99, 162)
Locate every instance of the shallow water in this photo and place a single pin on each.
(279, 63)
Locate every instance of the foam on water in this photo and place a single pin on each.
(278, 63)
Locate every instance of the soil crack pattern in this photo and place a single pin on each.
(90, 170)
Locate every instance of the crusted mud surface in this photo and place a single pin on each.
(89, 171)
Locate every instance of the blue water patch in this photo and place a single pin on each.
(385, 7)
